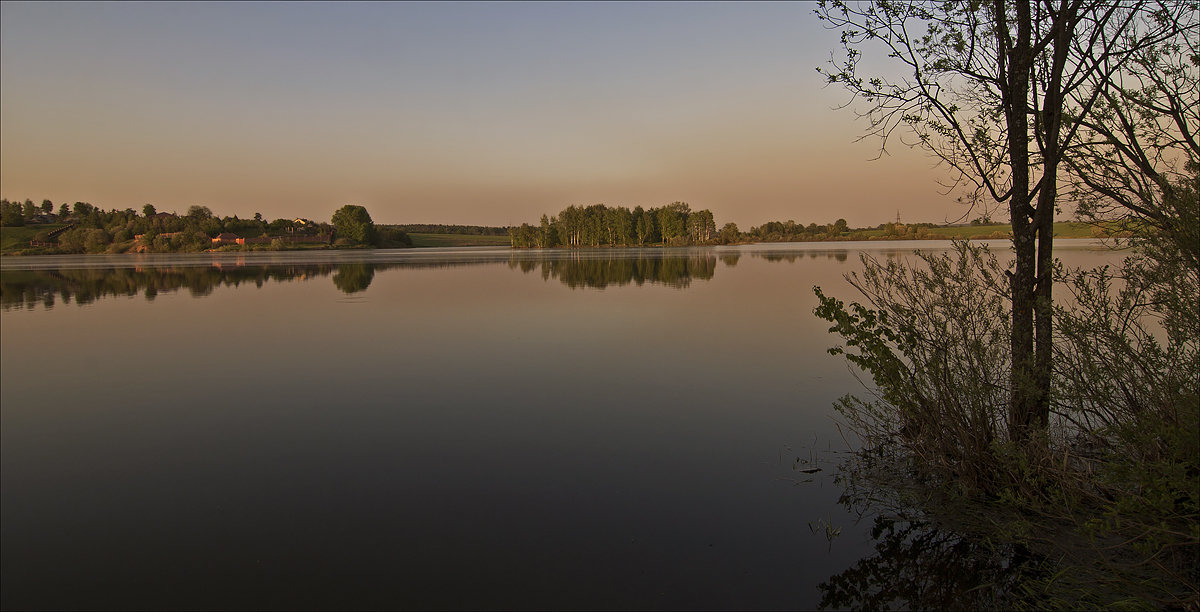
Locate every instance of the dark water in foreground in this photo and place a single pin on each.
(470, 428)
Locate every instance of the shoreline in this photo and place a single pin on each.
(554, 248)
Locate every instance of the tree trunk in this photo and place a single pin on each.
(1015, 61)
(1049, 127)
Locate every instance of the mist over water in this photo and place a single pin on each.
(442, 428)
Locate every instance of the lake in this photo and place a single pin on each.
(433, 428)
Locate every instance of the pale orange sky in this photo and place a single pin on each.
(489, 114)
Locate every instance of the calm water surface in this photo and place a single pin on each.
(469, 428)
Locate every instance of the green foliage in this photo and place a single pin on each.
(646, 226)
(672, 221)
(934, 345)
(790, 231)
(729, 234)
(353, 223)
(199, 212)
(391, 236)
(10, 214)
(95, 240)
(115, 230)
(600, 225)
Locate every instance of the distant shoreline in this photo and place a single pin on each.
(42, 238)
(21, 253)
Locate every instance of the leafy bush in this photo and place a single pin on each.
(354, 223)
(1121, 456)
(935, 346)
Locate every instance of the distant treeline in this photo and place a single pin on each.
(438, 228)
(675, 224)
(790, 231)
(599, 225)
(117, 231)
(84, 228)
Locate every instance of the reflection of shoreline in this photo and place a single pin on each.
(85, 285)
(28, 288)
(598, 271)
(794, 256)
(28, 281)
(48, 287)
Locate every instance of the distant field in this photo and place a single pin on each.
(979, 232)
(457, 240)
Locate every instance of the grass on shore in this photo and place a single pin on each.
(457, 240)
(14, 238)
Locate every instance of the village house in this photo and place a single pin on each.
(226, 238)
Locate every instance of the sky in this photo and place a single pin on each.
(484, 113)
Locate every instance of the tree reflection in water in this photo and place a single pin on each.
(597, 270)
(353, 277)
(29, 288)
(919, 563)
(919, 566)
(588, 268)
(794, 256)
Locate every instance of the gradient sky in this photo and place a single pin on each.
(472, 113)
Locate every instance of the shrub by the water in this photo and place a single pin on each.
(1119, 462)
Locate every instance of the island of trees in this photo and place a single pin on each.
(674, 224)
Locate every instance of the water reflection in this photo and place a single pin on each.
(840, 255)
(46, 281)
(917, 562)
(47, 287)
(471, 437)
(918, 566)
(355, 277)
(589, 269)
(28, 288)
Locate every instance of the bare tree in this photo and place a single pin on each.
(1138, 155)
